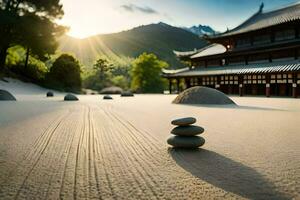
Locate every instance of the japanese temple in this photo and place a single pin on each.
(258, 57)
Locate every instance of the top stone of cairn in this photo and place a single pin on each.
(184, 121)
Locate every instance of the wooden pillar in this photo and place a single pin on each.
(241, 86)
(199, 81)
(229, 88)
(170, 85)
(294, 85)
(187, 82)
(268, 86)
(177, 85)
(217, 84)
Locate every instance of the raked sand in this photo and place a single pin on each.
(116, 149)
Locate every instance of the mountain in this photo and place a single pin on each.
(122, 47)
(201, 30)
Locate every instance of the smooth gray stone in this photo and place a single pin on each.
(107, 97)
(70, 97)
(184, 121)
(186, 142)
(6, 96)
(187, 130)
(49, 94)
(111, 90)
(202, 95)
(127, 94)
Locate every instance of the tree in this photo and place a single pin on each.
(103, 73)
(65, 74)
(146, 74)
(29, 23)
(106, 73)
(102, 66)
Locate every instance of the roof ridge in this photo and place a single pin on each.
(264, 19)
(246, 21)
(243, 23)
(282, 7)
(262, 12)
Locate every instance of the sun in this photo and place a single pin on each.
(79, 34)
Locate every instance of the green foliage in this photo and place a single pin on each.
(103, 67)
(14, 55)
(39, 35)
(146, 74)
(120, 81)
(100, 76)
(105, 74)
(65, 74)
(35, 71)
(29, 23)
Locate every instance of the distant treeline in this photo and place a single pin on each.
(65, 73)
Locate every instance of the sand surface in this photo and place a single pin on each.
(116, 149)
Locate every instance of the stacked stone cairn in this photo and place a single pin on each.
(186, 134)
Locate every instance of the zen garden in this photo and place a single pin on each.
(143, 99)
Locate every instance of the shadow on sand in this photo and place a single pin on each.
(225, 173)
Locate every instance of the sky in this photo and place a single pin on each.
(91, 17)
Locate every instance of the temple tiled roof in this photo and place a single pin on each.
(262, 20)
(205, 51)
(274, 67)
(174, 71)
(210, 50)
(185, 53)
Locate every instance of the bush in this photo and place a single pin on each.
(15, 61)
(146, 74)
(120, 81)
(34, 72)
(65, 74)
(106, 74)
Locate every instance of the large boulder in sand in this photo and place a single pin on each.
(202, 95)
(6, 96)
(111, 90)
(70, 97)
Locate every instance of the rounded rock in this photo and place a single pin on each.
(111, 90)
(184, 121)
(127, 94)
(107, 97)
(70, 97)
(187, 130)
(191, 142)
(6, 96)
(202, 95)
(50, 94)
